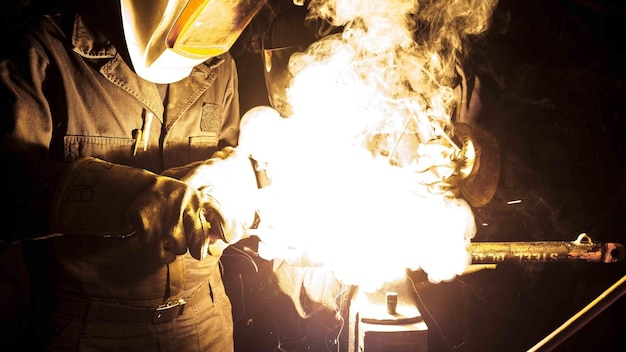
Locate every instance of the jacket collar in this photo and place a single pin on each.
(90, 44)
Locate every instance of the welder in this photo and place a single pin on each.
(123, 186)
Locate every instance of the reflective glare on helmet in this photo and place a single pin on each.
(208, 28)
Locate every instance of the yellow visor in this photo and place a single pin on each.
(210, 27)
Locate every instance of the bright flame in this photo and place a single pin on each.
(363, 170)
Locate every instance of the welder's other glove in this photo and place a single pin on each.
(95, 197)
(229, 179)
(480, 173)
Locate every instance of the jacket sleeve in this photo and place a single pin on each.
(27, 174)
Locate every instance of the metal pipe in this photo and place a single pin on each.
(546, 251)
(581, 318)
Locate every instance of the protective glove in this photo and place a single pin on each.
(98, 198)
(228, 180)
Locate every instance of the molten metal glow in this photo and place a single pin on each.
(363, 172)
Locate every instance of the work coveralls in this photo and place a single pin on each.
(67, 93)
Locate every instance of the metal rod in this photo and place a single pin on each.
(546, 251)
(581, 318)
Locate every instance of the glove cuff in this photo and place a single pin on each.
(88, 200)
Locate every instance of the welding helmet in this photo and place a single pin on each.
(290, 32)
(167, 38)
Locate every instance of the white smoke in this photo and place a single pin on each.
(360, 170)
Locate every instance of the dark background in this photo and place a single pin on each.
(553, 94)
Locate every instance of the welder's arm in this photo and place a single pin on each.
(229, 179)
(98, 198)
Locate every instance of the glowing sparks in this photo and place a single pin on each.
(364, 170)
